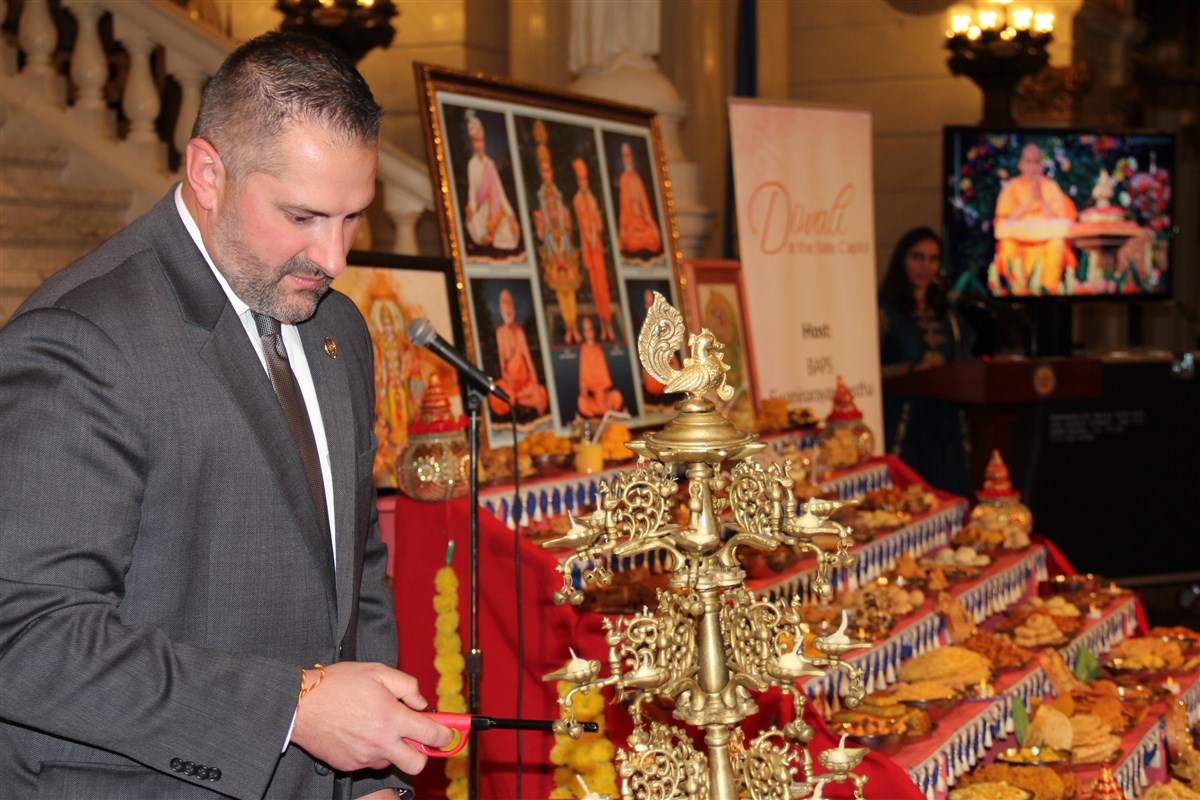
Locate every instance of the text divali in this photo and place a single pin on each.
(781, 225)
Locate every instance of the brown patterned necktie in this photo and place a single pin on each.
(294, 409)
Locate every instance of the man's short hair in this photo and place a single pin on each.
(277, 80)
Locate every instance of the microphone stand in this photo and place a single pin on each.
(474, 657)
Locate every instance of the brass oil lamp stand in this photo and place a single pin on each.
(710, 646)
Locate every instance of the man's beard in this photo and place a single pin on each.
(260, 285)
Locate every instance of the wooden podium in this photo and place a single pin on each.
(994, 391)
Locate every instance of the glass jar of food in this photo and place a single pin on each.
(1006, 516)
(845, 440)
(845, 443)
(999, 518)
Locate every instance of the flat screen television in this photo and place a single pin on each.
(1058, 213)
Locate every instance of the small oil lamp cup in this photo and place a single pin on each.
(842, 759)
(789, 667)
(836, 648)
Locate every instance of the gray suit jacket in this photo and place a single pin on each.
(163, 576)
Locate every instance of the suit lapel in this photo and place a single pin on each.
(228, 352)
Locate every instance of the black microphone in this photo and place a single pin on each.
(422, 334)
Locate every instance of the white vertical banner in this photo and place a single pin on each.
(806, 229)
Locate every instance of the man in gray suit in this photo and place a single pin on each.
(171, 573)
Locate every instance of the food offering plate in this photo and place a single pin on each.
(955, 573)
(1064, 584)
(867, 526)
(984, 692)
(1140, 693)
(908, 584)
(1015, 618)
(1111, 758)
(977, 792)
(886, 743)
(911, 737)
(1005, 655)
(1057, 760)
(1085, 592)
(937, 709)
(1190, 645)
(553, 463)
(1061, 641)
(1144, 676)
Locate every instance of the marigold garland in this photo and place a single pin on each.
(448, 660)
(589, 757)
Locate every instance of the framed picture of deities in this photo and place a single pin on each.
(391, 291)
(551, 207)
(717, 301)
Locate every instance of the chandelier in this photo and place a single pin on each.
(353, 26)
(996, 44)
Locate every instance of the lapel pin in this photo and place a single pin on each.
(331, 347)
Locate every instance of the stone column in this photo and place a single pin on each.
(614, 47)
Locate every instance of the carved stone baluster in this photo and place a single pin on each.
(141, 102)
(38, 37)
(89, 66)
(404, 214)
(191, 81)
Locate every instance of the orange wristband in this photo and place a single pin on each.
(304, 677)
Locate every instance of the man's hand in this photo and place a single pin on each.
(353, 721)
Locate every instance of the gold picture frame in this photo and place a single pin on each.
(716, 299)
(555, 209)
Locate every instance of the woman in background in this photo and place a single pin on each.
(918, 329)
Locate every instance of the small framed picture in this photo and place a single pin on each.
(717, 301)
(391, 291)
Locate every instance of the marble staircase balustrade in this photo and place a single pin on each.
(64, 151)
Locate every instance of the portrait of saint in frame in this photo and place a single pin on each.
(639, 232)
(593, 378)
(511, 350)
(481, 163)
(546, 151)
(592, 225)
